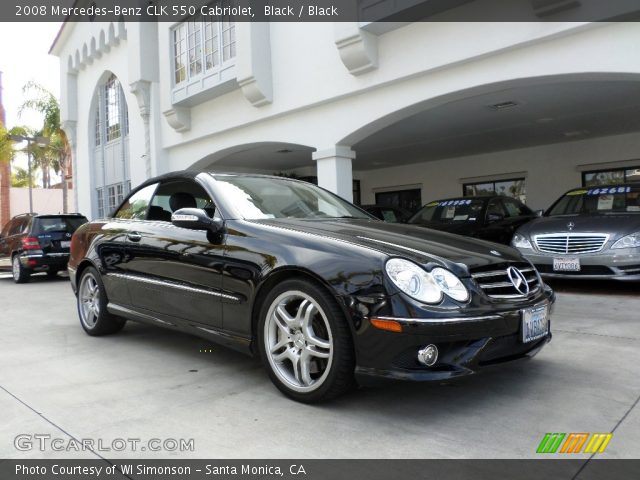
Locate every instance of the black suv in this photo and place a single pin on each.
(32, 243)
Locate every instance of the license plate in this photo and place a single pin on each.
(563, 264)
(535, 323)
(65, 244)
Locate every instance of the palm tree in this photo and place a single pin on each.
(20, 178)
(58, 153)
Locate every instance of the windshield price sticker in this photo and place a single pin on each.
(451, 203)
(608, 190)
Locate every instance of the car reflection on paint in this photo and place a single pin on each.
(492, 218)
(321, 291)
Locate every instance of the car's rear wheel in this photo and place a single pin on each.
(305, 342)
(20, 274)
(92, 306)
(53, 273)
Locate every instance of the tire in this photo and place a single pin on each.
(52, 273)
(20, 274)
(305, 343)
(92, 306)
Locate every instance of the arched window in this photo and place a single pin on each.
(110, 173)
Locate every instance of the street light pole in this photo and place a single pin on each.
(41, 142)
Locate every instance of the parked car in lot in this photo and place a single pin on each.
(492, 218)
(32, 243)
(587, 233)
(388, 213)
(316, 287)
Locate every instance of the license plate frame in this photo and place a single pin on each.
(534, 323)
(566, 264)
(65, 244)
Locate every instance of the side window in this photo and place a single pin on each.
(173, 195)
(136, 206)
(7, 228)
(17, 226)
(495, 208)
(515, 208)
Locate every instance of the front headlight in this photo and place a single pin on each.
(630, 241)
(425, 286)
(520, 241)
(450, 284)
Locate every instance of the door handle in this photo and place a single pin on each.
(134, 237)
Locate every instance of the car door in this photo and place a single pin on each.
(175, 273)
(111, 244)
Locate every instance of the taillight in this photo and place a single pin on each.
(30, 243)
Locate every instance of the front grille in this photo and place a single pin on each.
(574, 243)
(496, 282)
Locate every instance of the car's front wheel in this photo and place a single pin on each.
(20, 274)
(305, 342)
(92, 306)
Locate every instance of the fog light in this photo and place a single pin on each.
(428, 355)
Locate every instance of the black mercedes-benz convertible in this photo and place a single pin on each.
(323, 292)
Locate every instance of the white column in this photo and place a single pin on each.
(334, 170)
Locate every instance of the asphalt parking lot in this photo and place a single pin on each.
(150, 383)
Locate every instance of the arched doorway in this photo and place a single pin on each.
(111, 179)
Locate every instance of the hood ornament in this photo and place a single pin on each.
(518, 280)
(571, 225)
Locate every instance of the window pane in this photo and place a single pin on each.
(632, 175)
(180, 53)
(592, 179)
(195, 47)
(211, 45)
(476, 189)
(512, 188)
(100, 201)
(112, 108)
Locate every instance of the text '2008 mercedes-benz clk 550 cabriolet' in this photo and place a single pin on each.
(323, 292)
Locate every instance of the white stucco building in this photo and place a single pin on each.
(420, 108)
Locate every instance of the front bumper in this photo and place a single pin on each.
(466, 345)
(623, 264)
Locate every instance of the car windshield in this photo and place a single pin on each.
(600, 200)
(255, 198)
(43, 225)
(449, 211)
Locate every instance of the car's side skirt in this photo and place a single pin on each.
(222, 337)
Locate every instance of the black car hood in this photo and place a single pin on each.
(459, 228)
(617, 225)
(420, 244)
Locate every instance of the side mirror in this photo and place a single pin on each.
(195, 219)
(495, 217)
(539, 213)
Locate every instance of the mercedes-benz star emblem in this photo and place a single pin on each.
(571, 225)
(518, 280)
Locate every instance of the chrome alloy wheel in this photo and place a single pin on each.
(89, 300)
(298, 341)
(15, 268)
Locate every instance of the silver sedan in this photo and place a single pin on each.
(589, 233)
